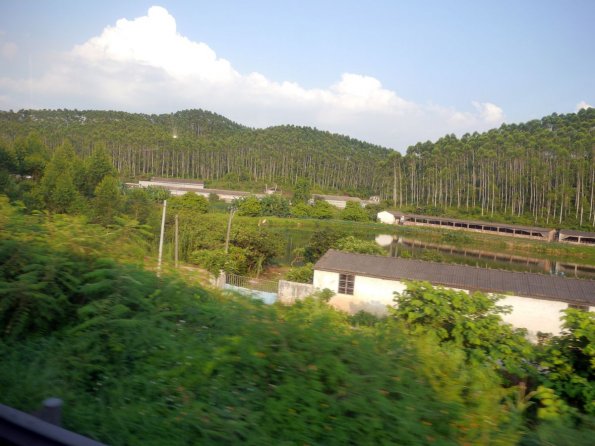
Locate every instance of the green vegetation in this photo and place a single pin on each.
(145, 360)
(537, 173)
(141, 359)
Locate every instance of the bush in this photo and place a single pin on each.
(301, 274)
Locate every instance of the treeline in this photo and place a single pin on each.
(541, 172)
(544, 169)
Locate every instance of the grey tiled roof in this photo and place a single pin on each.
(461, 276)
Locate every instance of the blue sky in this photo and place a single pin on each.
(388, 72)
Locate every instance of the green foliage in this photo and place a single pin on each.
(353, 244)
(301, 274)
(320, 242)
(569, 361)
(214, 261)
(274, 205)
(147, 360)
(457, 238)
(97, 167)
(108, 201)
(260, 245)
(535, 173)
(8, 159)
(301, 210)
(157, 193)
(373, 210)
(138, 204)
(322, 210)
(301, 191)
(249, 206)
(354, 212)
(189, 202)
(57, 187)
(37, 289)
(470, 321)
(31, 155)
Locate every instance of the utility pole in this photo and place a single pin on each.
(161, 238)
(176, 247)
(232, 211)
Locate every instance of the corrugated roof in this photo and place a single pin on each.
(480, 223)
(230, 192)
(336, 197)
(177, 180)
(571, 233)
(461, 276)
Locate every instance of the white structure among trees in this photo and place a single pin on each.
(367, 282)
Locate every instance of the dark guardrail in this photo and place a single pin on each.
(42, 429)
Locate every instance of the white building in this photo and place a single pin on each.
(177, 187)
(390, 217)
(367, 282)
(173, 184)
(340, 201)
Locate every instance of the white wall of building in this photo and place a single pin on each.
(171, 185)
(374, 295)
(386, 218)
(369, 293)
(534, 314)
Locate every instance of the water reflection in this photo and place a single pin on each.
(399, 246)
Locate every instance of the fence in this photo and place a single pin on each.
(268, 286)
(265, 290)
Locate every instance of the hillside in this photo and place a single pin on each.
(541, 172)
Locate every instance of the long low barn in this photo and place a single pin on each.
(179, 187)
(470, 225)
(367, 282)
(581, 237)
(173, 183)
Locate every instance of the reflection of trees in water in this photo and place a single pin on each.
(437, 252)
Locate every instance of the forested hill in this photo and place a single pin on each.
(540, 172)
(201, 144)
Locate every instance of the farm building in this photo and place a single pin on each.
(579, 237)
(367, 282)
(544, 234)
(340, 201)
(178, 187)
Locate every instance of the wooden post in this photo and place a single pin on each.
(176, 247)
(231, 212)
(161, 238)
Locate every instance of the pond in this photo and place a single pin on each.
(418, 246)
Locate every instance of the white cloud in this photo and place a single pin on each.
(489, 112)
(146, 65)
(583, 105)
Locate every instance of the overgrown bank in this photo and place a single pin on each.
(142, 360)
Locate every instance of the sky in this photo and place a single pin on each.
(392, 72)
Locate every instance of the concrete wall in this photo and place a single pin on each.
(374, 295)
(289, 292)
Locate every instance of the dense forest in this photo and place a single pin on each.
(540, 172)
